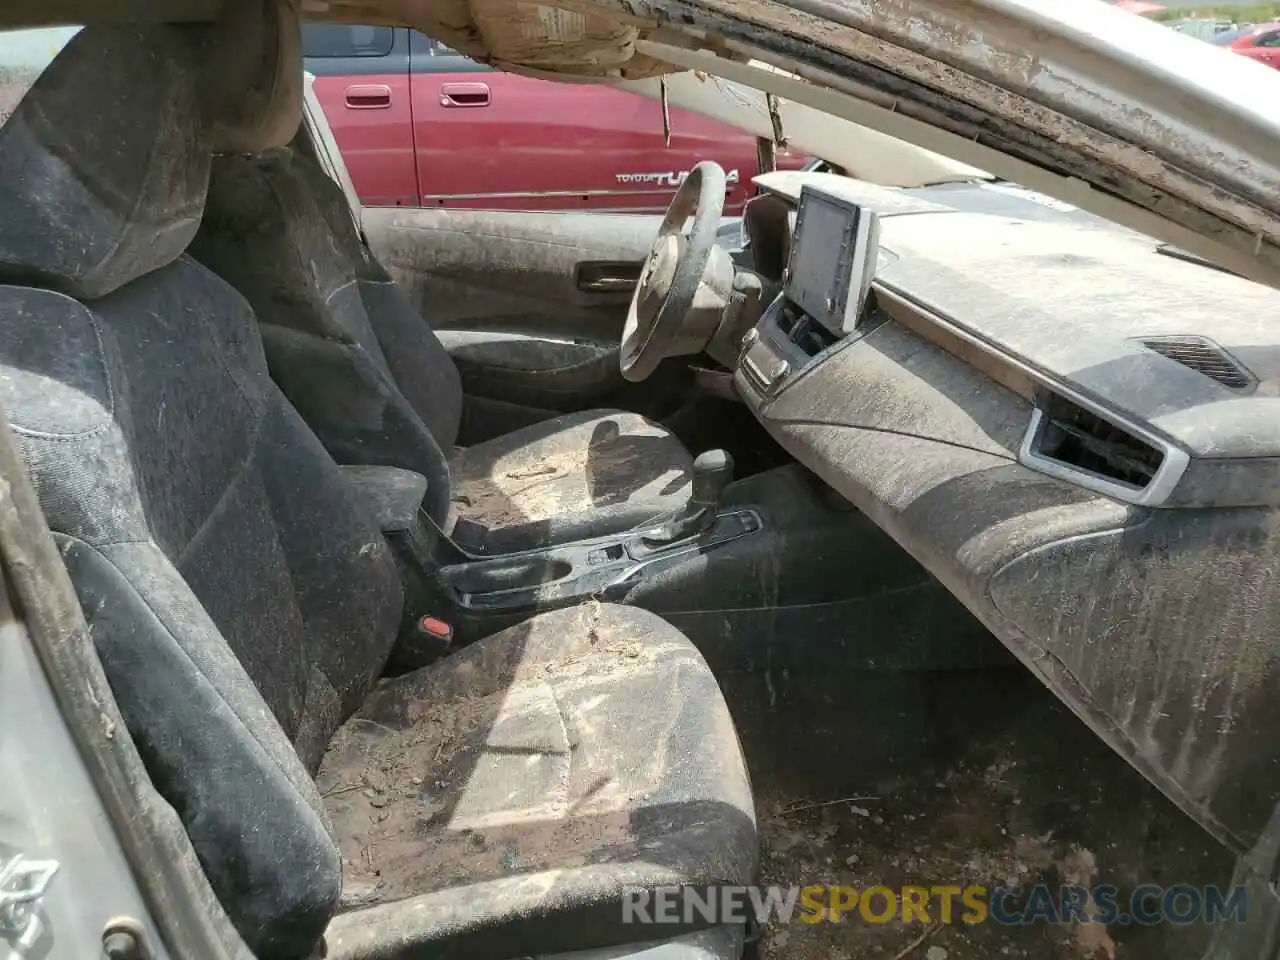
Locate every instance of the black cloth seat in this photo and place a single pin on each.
(244, 604)
(366, 371)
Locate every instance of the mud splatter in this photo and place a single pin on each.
(982, 780)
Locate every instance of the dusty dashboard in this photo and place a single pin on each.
(1080, 438)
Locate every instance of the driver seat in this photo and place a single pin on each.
(372, 380)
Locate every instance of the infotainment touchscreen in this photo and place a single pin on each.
(833, 259)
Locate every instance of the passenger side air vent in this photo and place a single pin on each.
(1070, 436)
(1204, 357)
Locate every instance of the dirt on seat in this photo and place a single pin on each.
(581, 468)
(514, 758)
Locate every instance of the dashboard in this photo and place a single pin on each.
(1077, 434)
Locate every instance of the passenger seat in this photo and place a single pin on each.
(244, 604)
(372, 379)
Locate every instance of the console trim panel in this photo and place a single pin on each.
(586, 569)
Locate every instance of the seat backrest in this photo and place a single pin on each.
(342, 340)
(241, 600)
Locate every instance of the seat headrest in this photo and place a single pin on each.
(254, 84)
(105, 162)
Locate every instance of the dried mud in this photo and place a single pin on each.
(982, 778)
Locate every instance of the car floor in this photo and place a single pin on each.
(969, 777)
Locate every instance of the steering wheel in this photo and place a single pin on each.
(664, 319)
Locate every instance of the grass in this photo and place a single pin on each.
(1248, 13)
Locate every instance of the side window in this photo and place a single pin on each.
(420, 45)
(1271, 39)
(433, 56)
(330, 41)
(23, 56)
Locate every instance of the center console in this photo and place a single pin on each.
(780, 574)
(603, 568)
(461, 597)
(825, 293)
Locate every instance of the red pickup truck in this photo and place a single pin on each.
(421, 125)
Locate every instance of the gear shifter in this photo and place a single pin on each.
(712, 472)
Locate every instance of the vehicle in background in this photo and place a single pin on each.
(1203, 28)
(421, 125)
(1260, 42)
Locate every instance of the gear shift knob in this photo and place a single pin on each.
(712, 472)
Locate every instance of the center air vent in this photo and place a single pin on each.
(805, 332)
(1070, 436)
(1204, 357)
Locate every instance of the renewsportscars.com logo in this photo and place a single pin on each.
(1105, 904)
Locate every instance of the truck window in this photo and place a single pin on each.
(438, 49)
(434, 56)
(329, 41)
(23, 56)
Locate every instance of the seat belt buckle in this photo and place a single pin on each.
(422, 641)
(433, 635)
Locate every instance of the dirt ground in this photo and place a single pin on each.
(957, 778)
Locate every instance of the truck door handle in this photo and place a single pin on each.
(368, 96)
(464, 95)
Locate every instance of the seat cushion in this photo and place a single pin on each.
(568, 478)
(498, 803)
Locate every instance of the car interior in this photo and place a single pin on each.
(417, 545)
(245, 439)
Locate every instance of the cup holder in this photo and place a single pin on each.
(515, 573)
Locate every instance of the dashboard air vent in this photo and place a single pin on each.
(1079, 439)
(805, 332)
(1204, 357)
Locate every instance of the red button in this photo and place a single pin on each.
(437, 628)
